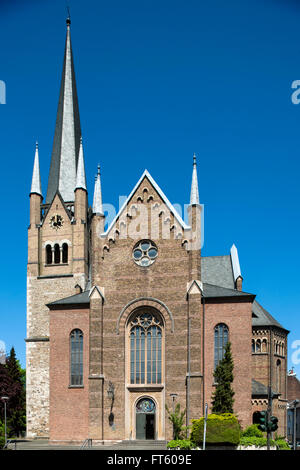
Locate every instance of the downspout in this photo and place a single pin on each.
(188, 373)
(203, 349)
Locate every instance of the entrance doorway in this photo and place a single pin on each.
(145, 419)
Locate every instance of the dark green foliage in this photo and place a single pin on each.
(222, 399)
(255, 441)
(12, 385)
(252, 431)
(220, 429)
(177, 420)
(282, 444)
(181, 444)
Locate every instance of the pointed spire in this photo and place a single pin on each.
(97, 201)
(67, 134)
(36, 176)
(235, 262)
(80, 177)
(194, 189)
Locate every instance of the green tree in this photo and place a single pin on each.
(222, 399)
(177, 419)
(12, 384)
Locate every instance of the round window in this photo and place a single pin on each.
(145, 253)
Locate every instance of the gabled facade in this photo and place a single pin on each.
(120, 319)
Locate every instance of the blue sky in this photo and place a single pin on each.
(157, 81)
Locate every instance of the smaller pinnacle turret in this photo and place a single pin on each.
(80, 177)
(36, 177)
(194, 189)
(97, 201)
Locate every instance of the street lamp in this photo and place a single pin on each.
(5, 399)
(173, 396)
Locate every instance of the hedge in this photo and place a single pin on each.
(181, 444)
(220, 429)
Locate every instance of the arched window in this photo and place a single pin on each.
(264, 346)
(258, 346)
(76, 357)
(65, 253)
(221, 339)
(253, 345)
(56, 254)
(48, 254)
(146, 349)
(278, 376)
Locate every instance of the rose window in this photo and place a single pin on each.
(145, 253)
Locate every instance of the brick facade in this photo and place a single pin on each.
(81, 277)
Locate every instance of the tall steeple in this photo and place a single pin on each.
(36, 187)
(97, 201)
(194, 189)
(67, 134)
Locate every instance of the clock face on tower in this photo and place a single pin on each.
(56, 221)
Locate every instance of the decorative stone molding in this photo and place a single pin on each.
(145, 302)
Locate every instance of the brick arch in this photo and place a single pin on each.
(144, 302)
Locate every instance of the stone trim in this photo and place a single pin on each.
(145, 388)
(37, 339)
(55, 275)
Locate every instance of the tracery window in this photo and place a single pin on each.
(76, 357)
(221, 339)
(146, 330)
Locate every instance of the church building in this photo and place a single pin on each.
(126, 317)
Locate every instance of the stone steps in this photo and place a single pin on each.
(139, 445)
(43, 444)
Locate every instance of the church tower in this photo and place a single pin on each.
(58, 262)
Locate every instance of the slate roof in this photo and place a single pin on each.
(82, 298)
(261, 317)
(258, 389)
(65, 151)
(211, 291)
(217, 270)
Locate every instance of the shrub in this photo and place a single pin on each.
(282, 444)
(220, 429)
(180, 443)
(255, 441)
(252, 431)
(177, 419)
(2, 434)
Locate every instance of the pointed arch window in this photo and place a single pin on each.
(145, 334)
(221, 339)
(76, 358)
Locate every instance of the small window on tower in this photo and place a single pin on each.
(48, 254)
(56, 254)
(65, 253)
